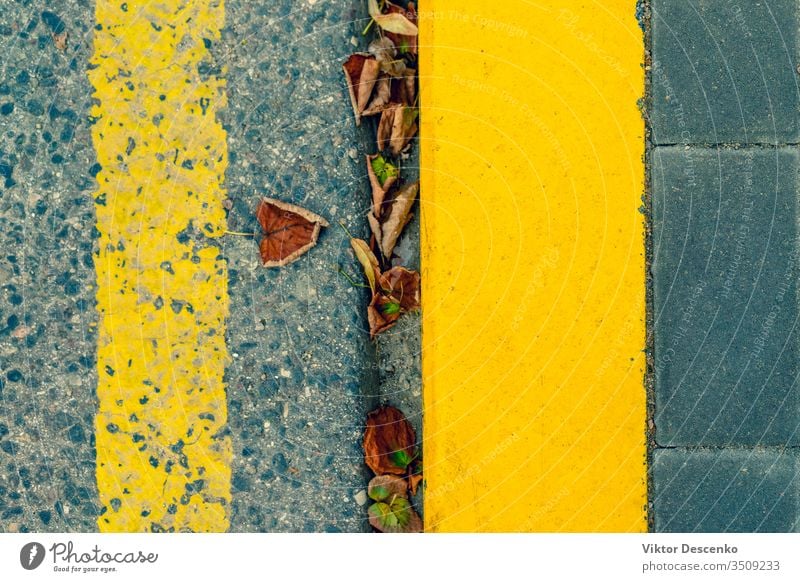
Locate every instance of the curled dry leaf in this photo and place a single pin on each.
(392, 91)
(394, 21)
(381, 98)
(398, 293)
(413, 482)
(397, 126)
(385, 126)
(389, 441)
(385, 52)
(361, 71)
(389, 224)
(382, 313)
(382, 176)
(382, 49)
(402, 286)
(288, 231)
(397, 83)
(404, 88)
(406, 43)
(368, 261)
(394, 292)
(374, 81)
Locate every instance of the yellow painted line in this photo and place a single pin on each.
(163, 460)
(533, 266)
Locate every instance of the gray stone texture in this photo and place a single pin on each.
(725, 277)
(724, 72)
(47, 282)
(726, 490)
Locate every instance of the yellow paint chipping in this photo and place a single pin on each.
(533, 266)
(163, 460)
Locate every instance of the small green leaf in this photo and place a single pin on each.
(384, 514)
(391, 308)
(401, 459)
(403, 48)
(383, 169)
(379, 510)
(390, 520)
(379, 493)
(401, 508)
(410, 115)
(394, 22)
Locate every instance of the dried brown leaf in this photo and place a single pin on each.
(397, 292)
(405, 127)
(378, 191)
(397, 217)
(361, 71)
(413, 482)
(386, 53)
(288, 231)
(414, 524)
(381, 96)
(397, 126)
(404, 88)
(382, 49)
(385, 126)
(389, 484)
(404, 42)
(395, 20)
(411, 85)
(387, 435)
(375, 227)
(402, 286)
(382, 313)
(368, 261)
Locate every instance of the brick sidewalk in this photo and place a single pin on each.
(723, 166)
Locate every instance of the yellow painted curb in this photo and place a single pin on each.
(163, 460)
(533, 266)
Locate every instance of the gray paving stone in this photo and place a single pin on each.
(725, 491)
(725, 277)
(724, 72)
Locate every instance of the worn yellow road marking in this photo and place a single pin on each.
(163, 460)
(533, 266)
